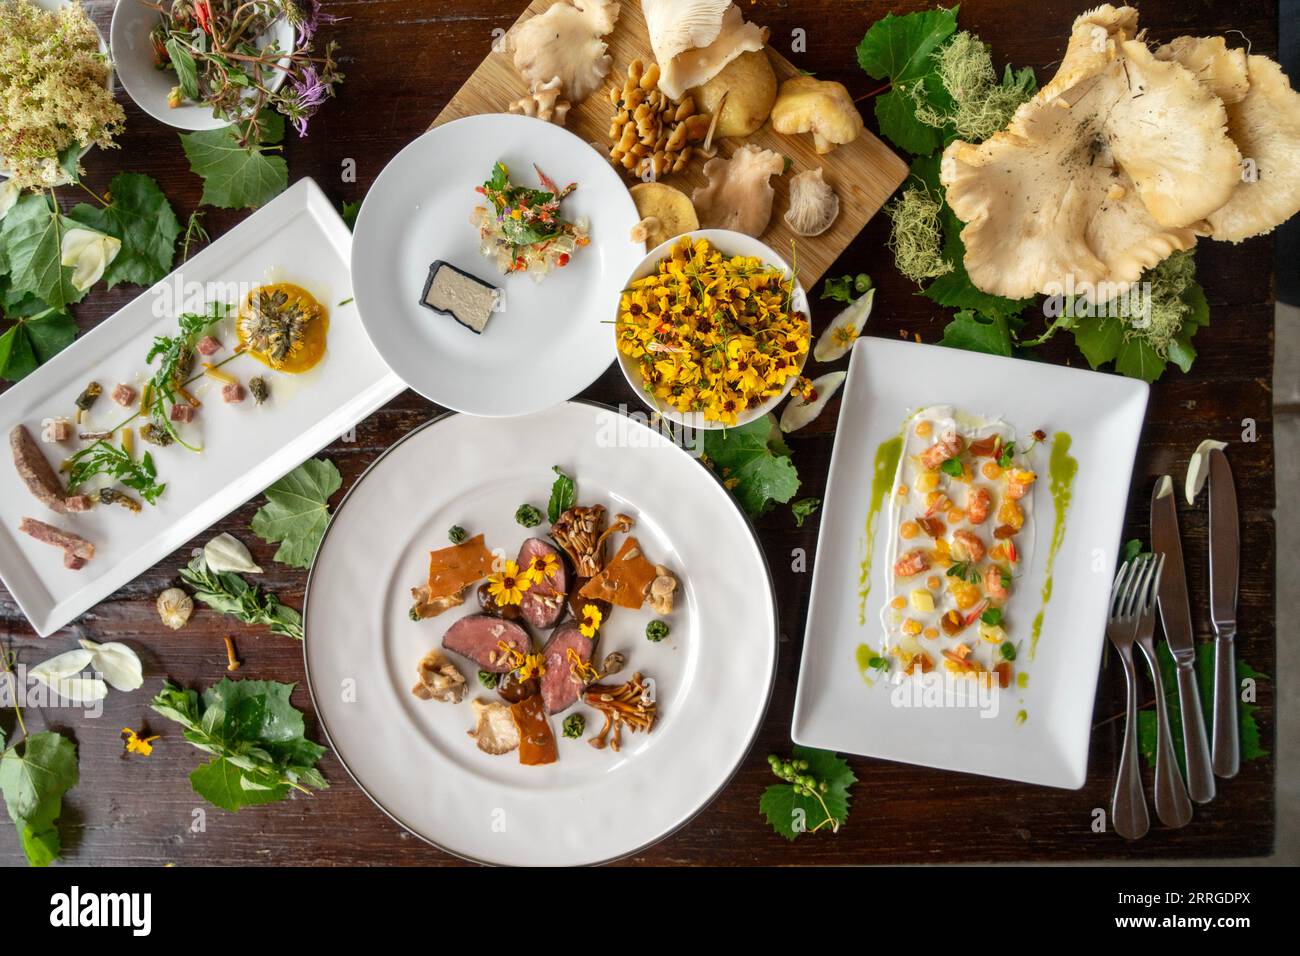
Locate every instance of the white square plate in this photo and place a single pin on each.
(297, 237)
(835, 708)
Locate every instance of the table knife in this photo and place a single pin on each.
(1176, 619)
(1225, 557)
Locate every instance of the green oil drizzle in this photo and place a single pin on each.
(1061, 470)
(882, 482)
(1022, 716)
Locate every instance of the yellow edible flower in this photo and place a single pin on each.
(591, 619)
(509, 585)
(542, 566)
(135, 744)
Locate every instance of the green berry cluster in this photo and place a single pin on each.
(794, 772)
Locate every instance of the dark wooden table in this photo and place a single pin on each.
(404, 60)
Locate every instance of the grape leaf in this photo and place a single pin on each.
(1247, 726)
(37, 334)
(297, 511)
(32, 237)
(754, 464)
(33, 783)
(791, 814)
(978, 333)
(237, 176)
(142, 218)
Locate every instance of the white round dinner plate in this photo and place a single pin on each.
(712, 675)
(547, 341)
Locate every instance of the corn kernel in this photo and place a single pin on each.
(931, 632)
(909, 529)
(933, 582)
(911, 627)
(901, 491)
(955, 515)
(898, 603)
(922, 601)
(924, 429)
(991, 470)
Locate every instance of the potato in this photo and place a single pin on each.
(670, 210)
(752, 83)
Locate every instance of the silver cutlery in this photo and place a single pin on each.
(1132, 597)
(1176, 618)
(1225, 557)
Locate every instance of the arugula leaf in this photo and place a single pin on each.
(562, 496)
(803, 509)
(32, 237)
(297, 511)
(1247, 726)
(978, 333)
(33, 783)
(899, 48)
(236, 176)
(754, 464)
(38, 333)
(101, 458)
(256, 736)
(783, 807)
(142, 218)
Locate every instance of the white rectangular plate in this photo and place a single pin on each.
(298, 237)
(835, 708)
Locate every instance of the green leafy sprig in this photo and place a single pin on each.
(101, 458)
(228, 593)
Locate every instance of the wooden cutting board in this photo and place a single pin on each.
(865, 172)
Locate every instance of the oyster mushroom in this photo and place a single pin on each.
(1263, 120)
(566, 43)
(824, 108)
(813, 204)
(440, 679)
(693, 40)
(495, 730)
(662, 588)
(544, 103)
(1098, 177)
(739, 195)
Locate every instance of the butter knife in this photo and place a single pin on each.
(1176, 619)
(1225, 557)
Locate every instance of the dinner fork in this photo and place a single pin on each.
(1172, 804)
(1128, 810)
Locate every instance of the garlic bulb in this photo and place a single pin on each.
(175, 608)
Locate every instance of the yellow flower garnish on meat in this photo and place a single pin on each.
(135, 744)
(582, 670)
(711, 333)
(542, 566)
(591, 618)
(508, 586)
(531, 667)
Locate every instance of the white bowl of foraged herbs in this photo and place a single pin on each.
(142, 59)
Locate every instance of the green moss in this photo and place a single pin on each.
(915, 237)
(981, 106)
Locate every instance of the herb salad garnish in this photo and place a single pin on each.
(230, 594)
(101, 458)
(176, 361)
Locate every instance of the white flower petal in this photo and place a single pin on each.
(831, 346)
(89, 252)
(119, 664)
(9, 192)
(225, 552)
(61, 666)
(1198, 469)
(81, 690)
(799, 413)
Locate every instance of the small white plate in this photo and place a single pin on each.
(548, 342)
(297, 237)
(713, 674)
(834, 707)
(730, 243)
(150, 87)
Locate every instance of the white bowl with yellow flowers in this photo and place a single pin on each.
(712, 329)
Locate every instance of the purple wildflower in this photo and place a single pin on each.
(306, 94)
(310, 16)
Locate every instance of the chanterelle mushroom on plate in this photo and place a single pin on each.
(566, 42)
(693, 40)
(739, 194)
(1096, 180)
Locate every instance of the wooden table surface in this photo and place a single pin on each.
(404, 60)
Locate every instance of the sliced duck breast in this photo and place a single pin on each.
(543, 603)
(478, 636)
(559, 686)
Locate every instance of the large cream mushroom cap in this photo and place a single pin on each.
(1096, 178)
(566, 42)
(693, 40)
(739, 194)
(1264, 121)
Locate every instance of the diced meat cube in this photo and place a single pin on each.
(79, 502)
(232, 393)
(59, 430)
(182, 412)
(73, 562)
(124, 395)
(208, 345)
